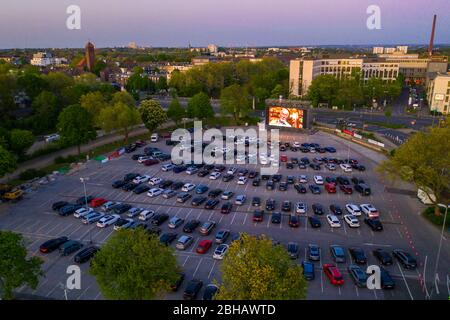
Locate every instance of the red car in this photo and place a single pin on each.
(203, 246)
(333, 274)
(330, 187)
(283, 158)
(150, 162)
(294, 221)
(346, 189)
(258, 216)
(97, 202)
(226, 208)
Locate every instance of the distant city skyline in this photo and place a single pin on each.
(234, 23)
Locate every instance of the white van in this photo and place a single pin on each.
(146, 214)
(154, 137)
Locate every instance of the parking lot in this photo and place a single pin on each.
(34, 218)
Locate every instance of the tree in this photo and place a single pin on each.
(234, 100)
(76, 127)
(57, 81)
(133, 266)
(176, 112)
(424, 160)
(323, 89)
(15, 268)
(32, 83)
(349, 93)
(93, 102)
(199, 107)
(20, 141)
(45, 107)
(388, 113)
(162, 84)
(119, 117)
(124, 97)
(7, 162)
(254, 269)
(152, 114)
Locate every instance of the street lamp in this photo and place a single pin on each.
(83, 180)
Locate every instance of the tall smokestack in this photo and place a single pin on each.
(430, 47)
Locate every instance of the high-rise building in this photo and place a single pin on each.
(378, 50)
(90, 56)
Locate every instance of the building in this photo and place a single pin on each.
(89, 57)
(171, 68)
(378, 50)
(403, 49)
(438, 92)
(132, 45)
(45, 59)
(303, 71)
(199, 61)
(212, 48)
(389, 50)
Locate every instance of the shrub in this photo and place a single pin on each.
(428, 213)
(31, 174)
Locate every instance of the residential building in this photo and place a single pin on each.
(212, 48)
(438, 92)
(45, 59)
(378, 50)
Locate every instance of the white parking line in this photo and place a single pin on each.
(357, 291)
(196, 269)
(404, 279)
(78, 298)
(212, 269)
(232, 220)
(245, 219)
(185, 261)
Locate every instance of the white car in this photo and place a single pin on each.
(346, 167)
(330, 166)
(240, 199)
(220, 251)
(154, 192)
(146, 215)
(140, 179)
(275, 163)
(82, 212)
(154, 181)
(303, 179)
(351, 220)
(232, 170)
(154, 137)
(318, 179)
(369, 210)
(214, 175)
(143, 158)
(188, 187)
(167, 167)
(107, 220)
(242, 180)
(296, 144)
(301, 207)
(333, 221)
(353, 209)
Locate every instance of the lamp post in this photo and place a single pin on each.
(83, 180)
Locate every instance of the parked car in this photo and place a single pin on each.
(222, 236)
(175, 222)
(293, 250)
(240, 199)
(363, 189)
(184, 242)
(167, 238)
(159, 218)
(53, 244)
(314, 222)
(192, 289)
(405, 259)
(210, 291)
(226, 207)
(294, 221)
(308, 270)
(145, 215)
(220, 251)
(108, 220)
(207, 227)
(358, 275)
(69, 247)
(276, 218)
(190, 226)
(369, 210)
(333, 274)
(338, 253)
(383, 256)
(313, 252)
(358, 255)
(386, 280)
(92, 217)
(175, 286)
(85, 254)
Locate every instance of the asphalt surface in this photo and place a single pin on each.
(403, 226)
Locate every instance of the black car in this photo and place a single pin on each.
(130, 176)
(305, 160)
(53, 244)
(270, 204)
(374, 224)
(153, 230)
(318, 209)
(363, 189)
(290, 179)
(84, 201)
(219, 168)
(198, 200)
(129, 186)
(165, 184)
(191, 226)
(210, 292)
(203, 173)
(276, 218)
(314, 166)
(294, 221)
(300, 188)
(85, 254)
(386, 280)
(256, 182)
(294, 160)
(177, 185)
(141, 188)
(167, 238)
(227, 177)
(358, 255)
(58, 205)
(337, 210)
(265, 177)
(331, 180)
(242, 172)
(131, 148)
(270, 185)
(252, 174)
(343, 180)
(159, 219)
(314, 222)
(192, 289)
(226, 208)
(214, 193)
(118, 184)
(137, 156)
(211, 204)
(256, 201)
(289, 165)
(406, 260)
(283, 186)
(179, 281)
(356, 180)
(383, 256)
(277, 177)
(314, 189)
(122, 208)
(68, 209)
(287, 206)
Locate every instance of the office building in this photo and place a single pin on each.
(438, 92)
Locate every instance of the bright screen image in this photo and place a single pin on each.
(286, 117)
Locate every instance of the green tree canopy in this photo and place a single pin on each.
(199, 107)
(15, 268)
(424, 160)
(152, 114)
(323, 89)
(46, 110)
(176, 112)
(33, 84)
(119, 117)
(123, 97)
(20, 141)
(76, 127)
(7, 162)
(133, 266)
(254, 269)
(94, 102)
(234, 100)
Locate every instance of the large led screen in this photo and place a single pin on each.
(286, 117)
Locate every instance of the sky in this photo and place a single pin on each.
(176, 23)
